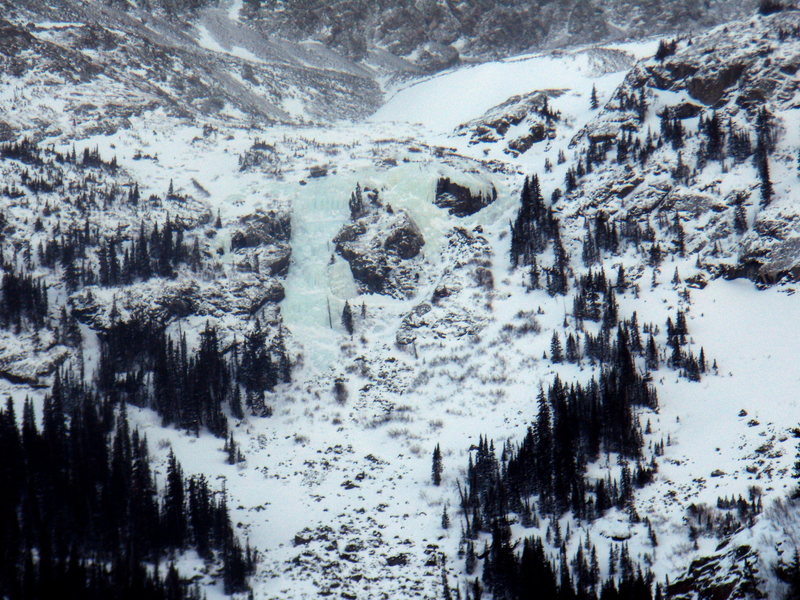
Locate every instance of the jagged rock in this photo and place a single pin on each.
(529, 111)
(405, 239)
(710, 87)
(381, 248)
(265, 236)
(160, 302)
(726, 575)
(262, 228)
(437, 57)
(27, 358)
(7, 132)
(397, 560)
(771, 251)
(460, 200)
(684, 110)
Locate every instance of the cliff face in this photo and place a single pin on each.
(433, 34)
(741, 76)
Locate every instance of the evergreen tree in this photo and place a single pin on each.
(556, 354)
(347, 318)
(436, 468)
(764, 176)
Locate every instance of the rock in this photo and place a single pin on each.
(684, 110)
(405, 240)
(460, 200)
(709, 88)
(437, 57)
(7, 133)
(412, 321)
(161, 301)
(382, 248)
(397, 560)
(731, 575)
(529, 112)
(771, 251)
(28, 358)
(262, 228)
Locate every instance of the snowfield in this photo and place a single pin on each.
(336, 494)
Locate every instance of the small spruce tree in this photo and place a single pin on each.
(436, 470)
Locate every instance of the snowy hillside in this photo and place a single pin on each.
(527, 323)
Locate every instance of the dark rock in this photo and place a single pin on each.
(710, 88)
(7, 133)
(405, 241)
(397, 560)
(459, 199)
(262, 228)
(437, 57)
(380, 247)
(685, 110)
(725, 575)
(531, 109)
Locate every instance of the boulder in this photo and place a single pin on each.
(382, 248)
(262, 228)
(460, 200)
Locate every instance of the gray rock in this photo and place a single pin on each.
(382, 248)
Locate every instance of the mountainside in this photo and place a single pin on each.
(90, 67)
(272, 327)
(430, 35)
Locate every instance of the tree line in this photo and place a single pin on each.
(82, 513)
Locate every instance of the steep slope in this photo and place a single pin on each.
(736, 88)
(80, 66)
(328, 474)
(431, 35)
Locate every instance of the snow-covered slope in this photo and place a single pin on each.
(335, 487)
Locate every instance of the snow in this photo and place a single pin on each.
(451, 388)
(209, 42)
(235, 9)
(445, 101)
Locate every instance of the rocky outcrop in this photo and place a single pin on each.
(383, 249)
(262, 228)
(461, 200)
(28, 358)
(430, 35)
(161, 302)
(262, 242)
(520, 122)
(729, 574)
(771, 251)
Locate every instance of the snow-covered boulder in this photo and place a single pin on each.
(381, 248)
(461, 200)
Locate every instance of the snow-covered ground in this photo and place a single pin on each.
(362, 467)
